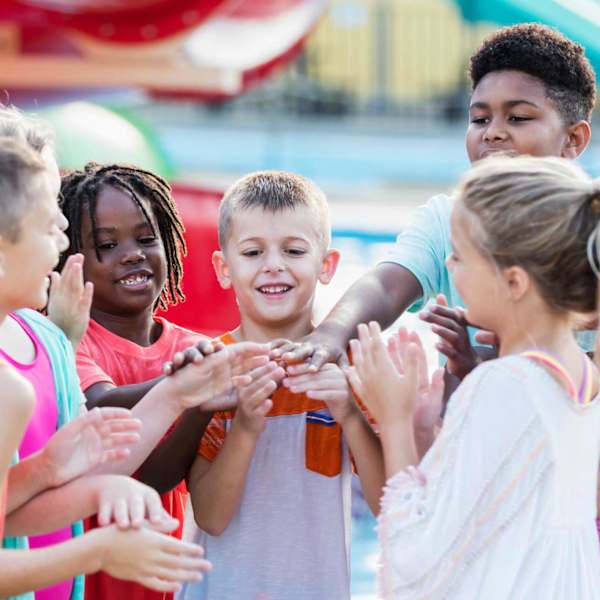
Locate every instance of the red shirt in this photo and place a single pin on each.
(103, 356)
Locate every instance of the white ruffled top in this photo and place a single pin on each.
(503, 505)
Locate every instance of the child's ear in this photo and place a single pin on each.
(579, 135)
(329, 266)
(518, 282)
(221, 269)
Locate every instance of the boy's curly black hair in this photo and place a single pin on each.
(544, 53)
(79, 192)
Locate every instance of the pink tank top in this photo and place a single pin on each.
(41, 427)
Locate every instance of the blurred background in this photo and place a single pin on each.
(367, 97)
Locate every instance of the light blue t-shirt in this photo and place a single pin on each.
(423, 246)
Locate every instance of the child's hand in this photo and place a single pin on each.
(150, 558)
(309, 355)
(450, 325)
(390, 394)
(98, 436)
(209, 381)
(427, 415)
(329, 385)
(69, 300)
(128, 503)
(190, 355)
(254, 399)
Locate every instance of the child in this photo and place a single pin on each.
(30, 240)
(533, 93)
(508, 514)
(124, 222)
(272, 479)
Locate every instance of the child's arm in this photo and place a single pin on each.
(100, 436)
(201, 383)
(112, 497)
(381, 295)
(390, 396)
(18, 400)
(147, 557)
(216, 488)
(331, 386)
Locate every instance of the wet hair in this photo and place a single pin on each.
(18, 165)
(544, 53)
(274, 191)
(34, 132)
(538, 214)
(80, 190)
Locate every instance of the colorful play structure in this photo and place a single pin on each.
(208, 51)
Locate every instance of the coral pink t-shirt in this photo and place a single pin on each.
(41, 427)
(105, 357)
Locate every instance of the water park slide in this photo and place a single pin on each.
(578, 19)
(194, 49)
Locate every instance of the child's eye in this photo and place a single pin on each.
(147, 240)
(518, 119)
(250, 253)
(296, 251)
(479, 120)
(105, 245)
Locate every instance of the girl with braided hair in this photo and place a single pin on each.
(125, 223)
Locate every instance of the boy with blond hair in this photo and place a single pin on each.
(275, 474)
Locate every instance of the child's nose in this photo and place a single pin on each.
(133, 255)
(495, 131)
(273, 262)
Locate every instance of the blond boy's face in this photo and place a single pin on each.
(273, 261)
(26, 263)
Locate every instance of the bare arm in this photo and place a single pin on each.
(216, 488)
(112, 497)
(141, 555)
(125, 396)
(172, 459)
(331, 386)
(368, 458)
(381, 295)
(17, 402)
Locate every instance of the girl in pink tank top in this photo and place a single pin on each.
(40, 429)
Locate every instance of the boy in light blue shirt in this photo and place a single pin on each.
(533, 93)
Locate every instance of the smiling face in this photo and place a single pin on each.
(511, 112)
(131, 272)
(273, 261)
(27, 262)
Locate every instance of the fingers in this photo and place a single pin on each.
(488, 338)
(436, 392)
(355, 382)
(154, 508)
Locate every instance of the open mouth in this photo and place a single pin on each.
(134, 280)
(274, 290)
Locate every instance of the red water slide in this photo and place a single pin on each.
(198, 49)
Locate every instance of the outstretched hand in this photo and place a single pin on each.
(389, 392)
(208, 378)
(98, 436)
(70, 299)
(450, 324)
(308, 355)
(427, 415)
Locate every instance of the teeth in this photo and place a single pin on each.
(134, 279)
(274, 289)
